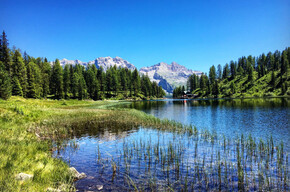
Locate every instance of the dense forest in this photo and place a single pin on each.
(23, 75)
(266, 75)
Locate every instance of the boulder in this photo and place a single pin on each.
(76, 174)
(100, 187)
(23, 176)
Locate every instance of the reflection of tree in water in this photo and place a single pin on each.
(144, 105)
(106, 130)
(237, 103)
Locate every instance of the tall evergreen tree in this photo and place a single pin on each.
(5, 83)
(19, 70)
(5, 56)
(136, 81)
(226, 71)
(219, 71)
(31, 88)
(212, 74)
(233, 69)
(273, 79)
(57, 80)
(66, 81)
(82, 89)
(16, 87)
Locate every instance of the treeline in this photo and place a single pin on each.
(30, 77)
(249, 76)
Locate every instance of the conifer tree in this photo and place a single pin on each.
(16, 87)
(233, 88)
(219, 72)
(136, 81)
(66, 81)
(251, 74)
(75, 84)
(233, 70)
(31, 88)
(226, 71)
(212, 74)
(19, 71)
(46, 69)
(5, 83)
(57, 80)
(5, 52)
(82, 89)
(273, 79)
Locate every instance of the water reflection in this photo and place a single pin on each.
(259, 117)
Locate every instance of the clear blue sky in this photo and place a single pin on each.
(196, 34)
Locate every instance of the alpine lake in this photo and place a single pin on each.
(234, 145)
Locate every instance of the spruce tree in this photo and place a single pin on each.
(233, 70)
(5, 83)
(57, 80)
(19, 70)
(82, 89)
(5, 56)
(31, 88)
(16, 87)
(251, 74)
(273, 79)
(75, 84)
(46, 70)
(136, 82)
(66, 81)
(212, 74)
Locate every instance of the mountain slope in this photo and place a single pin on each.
(105, 62)
(168, 76)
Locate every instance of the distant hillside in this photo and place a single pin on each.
(265, 75)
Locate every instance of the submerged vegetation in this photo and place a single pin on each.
(166, 155)
(29, 127)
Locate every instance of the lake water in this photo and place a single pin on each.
(259, 117)
(125, 158)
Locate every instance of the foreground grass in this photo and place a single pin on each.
(28, 127)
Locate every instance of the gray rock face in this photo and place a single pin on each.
(105, 62)
(168, 76)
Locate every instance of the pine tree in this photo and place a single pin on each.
(75, 84)
(233, 70)
(19, 70)
(136, 82)
(5, 52)
(215, 89)
(226, 71)
(57, 80)
(31, 88)
(5, 83)
(16, 87)
(251, 74)
(66, 81)
(46, 70)
(212, 74)
(82, 89)
(273, 80)
(219, 72)
(233, 88)
(284, 64)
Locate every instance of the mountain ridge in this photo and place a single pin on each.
(166, 75)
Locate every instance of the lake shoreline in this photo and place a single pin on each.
(42, 121)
